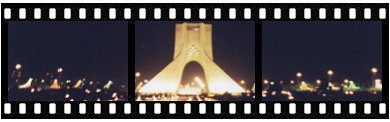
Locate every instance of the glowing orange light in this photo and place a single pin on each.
(55, 85)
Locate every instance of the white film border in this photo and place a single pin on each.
(232, 108)
(171, 13)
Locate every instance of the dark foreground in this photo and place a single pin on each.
(328, 96)
(66, 95)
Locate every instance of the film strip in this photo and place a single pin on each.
(141, 103)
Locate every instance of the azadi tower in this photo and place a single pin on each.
(193, 43)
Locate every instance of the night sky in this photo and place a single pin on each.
(233, 48)
(91, 50)
(350, 49)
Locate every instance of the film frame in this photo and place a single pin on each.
(227, 109)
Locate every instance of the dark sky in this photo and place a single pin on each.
(92, 50)
(233, 46)
(350, 49)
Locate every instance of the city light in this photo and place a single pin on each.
(305, 87)
(272, 83)
(27, 84)
(273, 93)
(67, 96)
(108, 85)
(374, 78)
(346, 81)
(55, 85)
(114, 95)
(53, 88)
(374, 70)
(18, 66)
(59, 70)
(242, 82)
(299, 75)
(98, 90)
(333, 86)
(378, 84)
(318, 81)
(290, 98)
(87, 91)
(330, 72)
(265, 81)
(32, 90)
(137, 74)
(78, 84)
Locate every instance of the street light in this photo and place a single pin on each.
(265, 81)
(330, 74)
(299, 75)
(318, 81)
(17, 74)
(346, 81)
(374, 71)
(137, 74)
(18, 66)
(59, 70)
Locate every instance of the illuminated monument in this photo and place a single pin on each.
(193, 43)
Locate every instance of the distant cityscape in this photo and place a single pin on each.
(323, 90)
(54, 87)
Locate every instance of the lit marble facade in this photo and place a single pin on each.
(193, 43)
